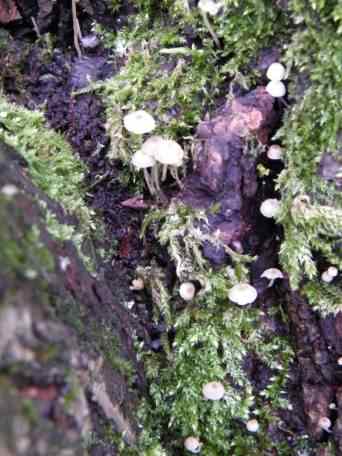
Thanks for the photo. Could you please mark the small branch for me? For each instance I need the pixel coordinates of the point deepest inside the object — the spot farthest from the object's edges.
(35, 27)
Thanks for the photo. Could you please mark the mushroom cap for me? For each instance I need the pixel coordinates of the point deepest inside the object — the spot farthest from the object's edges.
(243, 294)
(137, 284)
(324, 423)
(275, 152)
(272, 274)
(213, 391)
(90, 41)
(139, 122)
(192, 444)
(270, 207)
(152, 145)
(339, 361)
(187, 291)
(141, 160)
(9, 190)
(332, 271)
(252, 425)
(276, 72)
(168, 152)
(209, 6)
(276, 89)
(326, 277)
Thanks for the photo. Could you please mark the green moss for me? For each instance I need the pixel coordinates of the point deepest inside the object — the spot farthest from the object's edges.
(52, 164)
(56, 170)
(311, 213)
(24, 253)
(174, 82)
(30, 412)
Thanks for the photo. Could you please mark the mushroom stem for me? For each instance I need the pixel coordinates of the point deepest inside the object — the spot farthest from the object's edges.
(187, 6)
(164, 173)
(149, 182)
(174, 174)
(155, 177)
(210, 29)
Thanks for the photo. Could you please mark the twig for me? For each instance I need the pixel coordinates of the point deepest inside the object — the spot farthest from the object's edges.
(77, 28)
(35, 27)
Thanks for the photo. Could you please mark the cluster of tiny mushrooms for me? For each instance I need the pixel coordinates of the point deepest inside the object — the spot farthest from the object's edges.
(157, 152)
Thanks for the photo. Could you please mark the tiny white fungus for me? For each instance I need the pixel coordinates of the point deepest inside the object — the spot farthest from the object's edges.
(152, 145)
(326, 277)
(276, 89)
(272, 274)
(137, 284)
(339, 361)
(276, 72)
(209, 6)
(9, 190)
(193, 444)
(252, 425)
(31, 274)
(332, 271)
(275, 152)
(169, 152)
(139, 122)
(270, 207)
(243, 294)
(324, 423)
(64, 262)
(213, 391)
(142, 161)
(187, 291)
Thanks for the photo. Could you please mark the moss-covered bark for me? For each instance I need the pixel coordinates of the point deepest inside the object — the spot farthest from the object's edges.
(66, 358)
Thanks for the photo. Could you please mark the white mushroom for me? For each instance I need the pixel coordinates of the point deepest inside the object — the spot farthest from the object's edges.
(270, 207)
(143, 161)
(209, 6)
(252, 425)
(139, 122)
(329, 275)
(137, 284)
(193, 444)
(275, 152)
(168, 153)
(187, 291)
(243, 294)
(332, 271)
(9, 190)
(324, 423)
(152, 145)
(213, 391)
(339, 361)
(276, 89)
(276, 72)
(272, 274)
(326, 277)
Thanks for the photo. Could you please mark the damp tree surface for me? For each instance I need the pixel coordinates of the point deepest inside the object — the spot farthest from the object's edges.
(123, 330)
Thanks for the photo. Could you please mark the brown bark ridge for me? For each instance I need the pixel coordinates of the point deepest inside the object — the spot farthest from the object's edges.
(66, 349)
